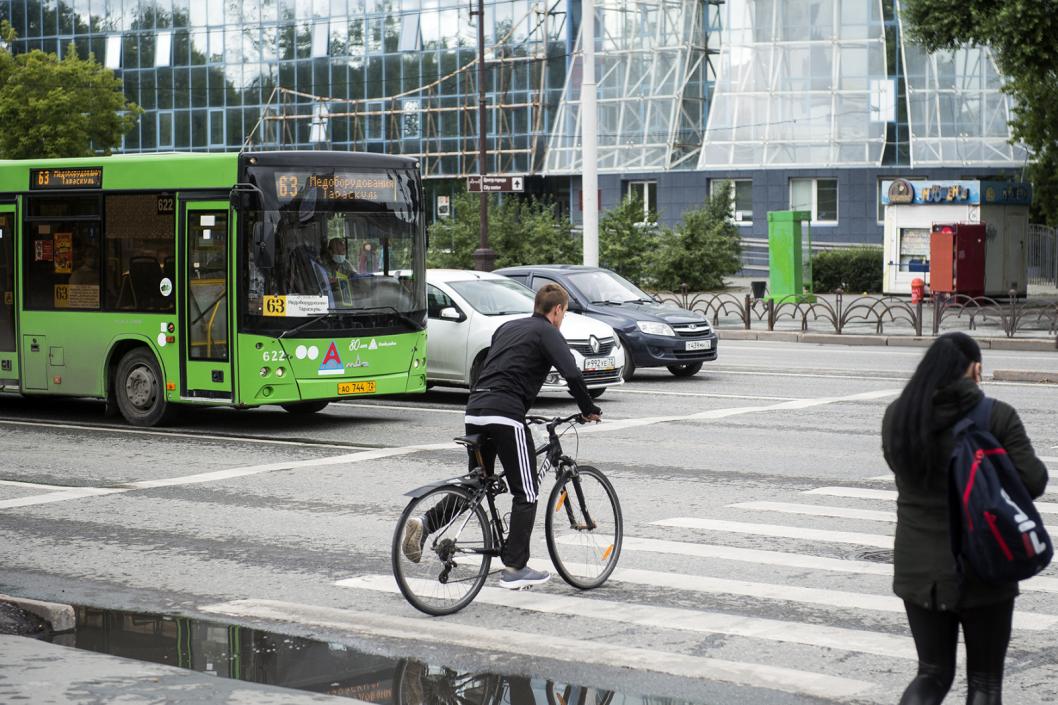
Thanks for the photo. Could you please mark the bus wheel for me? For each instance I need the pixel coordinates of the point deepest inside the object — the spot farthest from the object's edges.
(306, 407)
(139, 389)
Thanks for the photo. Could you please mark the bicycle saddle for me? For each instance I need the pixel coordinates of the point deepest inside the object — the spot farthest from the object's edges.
(472, 441)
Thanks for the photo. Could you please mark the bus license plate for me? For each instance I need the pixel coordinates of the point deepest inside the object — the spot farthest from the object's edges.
(594, 364)
(699, 345)
(367, 387)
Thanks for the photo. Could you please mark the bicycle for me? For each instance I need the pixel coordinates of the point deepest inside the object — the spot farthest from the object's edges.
(583, 528)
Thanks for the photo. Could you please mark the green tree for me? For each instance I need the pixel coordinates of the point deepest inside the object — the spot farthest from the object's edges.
(627, 240)
(1022, 35)
(521, 231)
(51, 107)
(704, 247)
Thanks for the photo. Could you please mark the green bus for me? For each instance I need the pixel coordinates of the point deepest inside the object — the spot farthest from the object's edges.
(159, 280)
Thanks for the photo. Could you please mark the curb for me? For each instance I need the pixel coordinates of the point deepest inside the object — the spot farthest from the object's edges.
(1025, 376)
(59, 617)
(1029, 344)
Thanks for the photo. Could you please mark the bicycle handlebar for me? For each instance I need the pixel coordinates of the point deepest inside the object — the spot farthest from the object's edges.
(556, 420)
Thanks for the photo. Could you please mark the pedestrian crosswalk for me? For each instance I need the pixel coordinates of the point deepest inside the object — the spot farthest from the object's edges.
(773, 586)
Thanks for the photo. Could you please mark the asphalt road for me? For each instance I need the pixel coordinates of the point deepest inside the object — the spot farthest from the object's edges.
(253, 517)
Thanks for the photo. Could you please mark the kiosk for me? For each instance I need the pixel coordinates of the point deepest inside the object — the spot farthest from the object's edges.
(912, 208)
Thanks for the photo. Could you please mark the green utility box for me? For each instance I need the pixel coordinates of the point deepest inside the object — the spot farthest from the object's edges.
(790, 256)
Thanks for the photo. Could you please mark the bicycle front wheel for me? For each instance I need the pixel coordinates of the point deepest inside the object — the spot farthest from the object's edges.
(584, 528)
(442, 549)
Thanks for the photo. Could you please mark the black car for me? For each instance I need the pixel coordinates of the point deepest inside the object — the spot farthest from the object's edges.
(654, 334)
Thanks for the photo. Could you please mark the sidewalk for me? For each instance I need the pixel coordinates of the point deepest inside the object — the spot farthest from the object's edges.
(33, 671)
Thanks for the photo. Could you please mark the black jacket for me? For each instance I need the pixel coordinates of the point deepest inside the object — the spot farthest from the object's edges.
(520, 356)
(923, 566)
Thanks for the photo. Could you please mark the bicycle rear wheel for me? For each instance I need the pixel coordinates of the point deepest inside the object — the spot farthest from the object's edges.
(584, 528)
(455, 551)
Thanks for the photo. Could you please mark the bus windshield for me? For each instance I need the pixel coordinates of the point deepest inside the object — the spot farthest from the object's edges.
(342, 248)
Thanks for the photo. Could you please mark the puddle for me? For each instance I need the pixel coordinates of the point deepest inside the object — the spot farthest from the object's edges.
(257, 656)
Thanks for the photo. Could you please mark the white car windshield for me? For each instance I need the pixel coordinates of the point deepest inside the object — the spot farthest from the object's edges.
(495, 297)
(607, 287)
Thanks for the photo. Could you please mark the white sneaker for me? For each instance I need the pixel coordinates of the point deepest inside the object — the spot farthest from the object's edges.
(524, 577)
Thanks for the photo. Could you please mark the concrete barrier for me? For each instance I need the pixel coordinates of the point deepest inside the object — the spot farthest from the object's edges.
(59, 617)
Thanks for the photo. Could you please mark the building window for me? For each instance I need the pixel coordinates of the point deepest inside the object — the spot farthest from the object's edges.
(320, 37)
(741, 198)
(647, 193)
(163, 50)
(817, 196)
(410, 39)
(165, 129)
(113, 58)
(410, 119)
(216, 128)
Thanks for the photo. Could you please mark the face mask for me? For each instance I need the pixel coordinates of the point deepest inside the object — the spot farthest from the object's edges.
(338, 259)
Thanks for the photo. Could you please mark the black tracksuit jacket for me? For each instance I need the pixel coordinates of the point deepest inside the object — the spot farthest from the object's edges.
(521, 354)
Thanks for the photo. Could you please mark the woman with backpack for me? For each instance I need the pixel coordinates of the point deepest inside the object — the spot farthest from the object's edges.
(917, 442)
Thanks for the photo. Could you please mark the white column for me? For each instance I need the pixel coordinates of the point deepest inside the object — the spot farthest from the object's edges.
(589, 140)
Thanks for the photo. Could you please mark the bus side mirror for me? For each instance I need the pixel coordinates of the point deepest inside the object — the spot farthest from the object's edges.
(245, 197)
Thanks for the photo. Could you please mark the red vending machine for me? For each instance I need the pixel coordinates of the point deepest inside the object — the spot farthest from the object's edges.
(957, 258)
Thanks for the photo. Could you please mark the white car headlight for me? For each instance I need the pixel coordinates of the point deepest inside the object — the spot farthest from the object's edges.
(652, 328)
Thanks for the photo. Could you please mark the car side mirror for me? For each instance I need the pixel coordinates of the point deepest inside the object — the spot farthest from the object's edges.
(452, 314)
(575, 306)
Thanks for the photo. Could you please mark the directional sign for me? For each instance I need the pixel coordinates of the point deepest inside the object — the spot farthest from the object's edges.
(495, 184)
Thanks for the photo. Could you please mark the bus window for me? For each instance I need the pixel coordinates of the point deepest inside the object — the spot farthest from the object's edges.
(62, 246)
(140, 251)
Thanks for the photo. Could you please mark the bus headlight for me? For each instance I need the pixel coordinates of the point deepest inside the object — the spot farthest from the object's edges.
(280, 371)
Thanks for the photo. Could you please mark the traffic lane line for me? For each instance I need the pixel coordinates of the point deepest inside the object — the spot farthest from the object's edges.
(778, 531)
(80, 492)
(839, 599)
(712, 414)
(677, 618)
(818, 510)
(595, 653)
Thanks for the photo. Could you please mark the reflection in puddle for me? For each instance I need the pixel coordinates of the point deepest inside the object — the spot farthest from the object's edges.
(257, 656)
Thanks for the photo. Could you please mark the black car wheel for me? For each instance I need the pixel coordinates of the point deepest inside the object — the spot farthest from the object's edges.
(630, 368)
(688, 370)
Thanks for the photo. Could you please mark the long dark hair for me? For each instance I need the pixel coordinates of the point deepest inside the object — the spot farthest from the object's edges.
(912, 439)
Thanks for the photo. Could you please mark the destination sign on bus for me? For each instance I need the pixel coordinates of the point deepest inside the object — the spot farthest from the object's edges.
(66, 178)
(337, 186)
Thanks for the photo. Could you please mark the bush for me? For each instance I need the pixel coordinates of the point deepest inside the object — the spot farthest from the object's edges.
(626, 241)
(853, 269)
(521, 231)
(703, 248)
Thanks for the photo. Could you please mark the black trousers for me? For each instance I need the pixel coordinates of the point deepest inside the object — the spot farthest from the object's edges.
(512, 442)
(986, 631)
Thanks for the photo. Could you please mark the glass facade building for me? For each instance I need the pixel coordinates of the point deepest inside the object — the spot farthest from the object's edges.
(803, 103)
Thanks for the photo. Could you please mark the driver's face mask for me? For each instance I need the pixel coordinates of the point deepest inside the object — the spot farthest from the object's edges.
(338, 259)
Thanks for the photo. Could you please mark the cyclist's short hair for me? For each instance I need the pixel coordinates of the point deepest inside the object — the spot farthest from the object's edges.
(550, 296)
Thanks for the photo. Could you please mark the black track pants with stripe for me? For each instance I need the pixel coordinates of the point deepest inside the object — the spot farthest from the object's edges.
(514, 445)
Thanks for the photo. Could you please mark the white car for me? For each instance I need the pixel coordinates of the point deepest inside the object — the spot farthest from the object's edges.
(466, 307)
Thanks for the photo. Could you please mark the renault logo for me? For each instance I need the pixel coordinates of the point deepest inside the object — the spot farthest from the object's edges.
(593, 343)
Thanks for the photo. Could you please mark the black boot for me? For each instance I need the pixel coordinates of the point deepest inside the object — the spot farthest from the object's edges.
(984, 689)
(929, 687)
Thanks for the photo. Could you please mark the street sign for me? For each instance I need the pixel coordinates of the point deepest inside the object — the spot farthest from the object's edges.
(496, 184)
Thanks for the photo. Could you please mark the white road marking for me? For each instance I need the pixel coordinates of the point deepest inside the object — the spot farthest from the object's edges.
(851, 375)
(404, 407)
(817, 510)
(176, 434)
(789, 532)
(79, 492)
(880, 478)
(596, 653)
(70, 493)
(890, 495)
(35, 485)
(749, 555)
(650, 615)
(787, 560)
(841, 599)
(624, 390)
(855, 492)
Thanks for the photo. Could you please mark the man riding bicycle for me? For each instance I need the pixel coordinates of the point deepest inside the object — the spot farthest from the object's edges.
(522, 353)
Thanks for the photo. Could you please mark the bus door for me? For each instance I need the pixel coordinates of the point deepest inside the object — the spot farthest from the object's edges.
(206, 350)
(8, 358)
